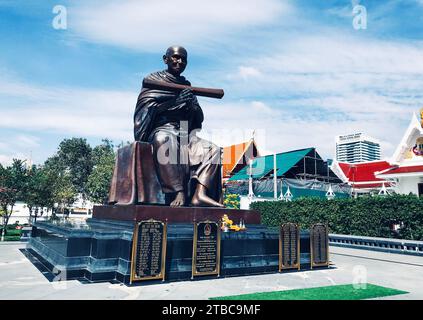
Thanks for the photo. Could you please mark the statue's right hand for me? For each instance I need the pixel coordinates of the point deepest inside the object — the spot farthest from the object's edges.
(185, 96)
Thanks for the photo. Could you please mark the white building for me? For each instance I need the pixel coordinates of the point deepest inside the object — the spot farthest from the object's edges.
(406, 172)
(81, 209)
(357, 147)
(20, 213)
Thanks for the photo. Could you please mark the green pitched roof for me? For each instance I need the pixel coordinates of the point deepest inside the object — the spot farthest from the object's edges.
(263, 165)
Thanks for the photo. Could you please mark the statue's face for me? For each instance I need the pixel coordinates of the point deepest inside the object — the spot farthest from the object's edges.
(176, 60)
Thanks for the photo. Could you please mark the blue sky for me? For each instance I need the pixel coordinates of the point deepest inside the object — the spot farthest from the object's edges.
(297, 72)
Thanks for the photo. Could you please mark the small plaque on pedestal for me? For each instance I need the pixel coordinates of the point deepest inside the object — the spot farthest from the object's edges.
(149, 250)
(206, 249)
(289, 247)
(319, 245)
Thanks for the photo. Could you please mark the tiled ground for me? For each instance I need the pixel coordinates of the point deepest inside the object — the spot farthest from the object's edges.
(20, 279)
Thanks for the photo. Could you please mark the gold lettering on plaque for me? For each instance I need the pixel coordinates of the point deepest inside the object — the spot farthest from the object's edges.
(206, 249)
(319, 245)
(149, 250)
(289, 246)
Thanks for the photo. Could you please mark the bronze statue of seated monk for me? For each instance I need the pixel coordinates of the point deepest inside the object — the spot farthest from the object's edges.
(188, 168)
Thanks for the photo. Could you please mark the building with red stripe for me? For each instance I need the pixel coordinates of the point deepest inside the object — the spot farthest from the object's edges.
(402, 174)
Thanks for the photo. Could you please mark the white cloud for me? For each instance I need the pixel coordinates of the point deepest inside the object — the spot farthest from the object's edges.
(27, 141)
(331, 53)
(96, 113)
(3, 145)
(7, 159)
(228, 124)
(342, 12)
(303, 89)
(152, 25)
(58, 112)
(17, 146)
(344, 78)
(85, 112)
(248, 72)
(262, 107)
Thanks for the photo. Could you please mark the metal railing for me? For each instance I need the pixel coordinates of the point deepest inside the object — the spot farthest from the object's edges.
(401, 246)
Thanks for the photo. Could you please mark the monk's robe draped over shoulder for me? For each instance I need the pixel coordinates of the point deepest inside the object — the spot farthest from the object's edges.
(157, 107)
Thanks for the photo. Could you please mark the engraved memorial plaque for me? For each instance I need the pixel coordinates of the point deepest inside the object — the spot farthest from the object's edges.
(319, 245)
(149, 250)
(206, 249)
(289, 247)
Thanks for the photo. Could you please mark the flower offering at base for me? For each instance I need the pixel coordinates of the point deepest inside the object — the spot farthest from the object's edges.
(228, 225)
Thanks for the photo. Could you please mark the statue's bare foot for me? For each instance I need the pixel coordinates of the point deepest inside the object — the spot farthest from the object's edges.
(179, 200)
(200, 199)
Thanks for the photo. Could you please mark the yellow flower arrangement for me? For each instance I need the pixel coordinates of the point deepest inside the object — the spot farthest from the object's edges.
(228, 224)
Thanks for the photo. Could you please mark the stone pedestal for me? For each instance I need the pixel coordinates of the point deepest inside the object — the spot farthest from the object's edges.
(173, 215)
(100, 248)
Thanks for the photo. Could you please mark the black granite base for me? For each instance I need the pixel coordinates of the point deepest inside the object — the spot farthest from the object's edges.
(100, 250)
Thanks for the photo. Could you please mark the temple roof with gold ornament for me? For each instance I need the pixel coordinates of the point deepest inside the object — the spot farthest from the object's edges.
(410, 149)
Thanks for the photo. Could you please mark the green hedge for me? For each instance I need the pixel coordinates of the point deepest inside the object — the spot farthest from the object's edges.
(365, 216)
(13, 232)
(12, 238)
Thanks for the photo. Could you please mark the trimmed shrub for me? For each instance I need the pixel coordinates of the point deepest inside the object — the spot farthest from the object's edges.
(364, 216)
(12, 238)
(13, 232)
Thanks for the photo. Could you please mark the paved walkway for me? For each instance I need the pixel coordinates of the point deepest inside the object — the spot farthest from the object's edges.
(19, 279)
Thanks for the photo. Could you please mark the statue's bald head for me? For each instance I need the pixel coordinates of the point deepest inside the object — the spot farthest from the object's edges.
(178, 50)
(176, 58)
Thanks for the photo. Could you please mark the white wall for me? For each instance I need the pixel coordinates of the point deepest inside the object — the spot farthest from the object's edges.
(406, 185)
(244, 201)
(21, 214)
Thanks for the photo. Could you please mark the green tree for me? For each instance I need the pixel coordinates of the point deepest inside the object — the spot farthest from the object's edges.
(18, 176)
(98, 183)
(12, 183)
(39, 191)
(75, 157)
(64, 193)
